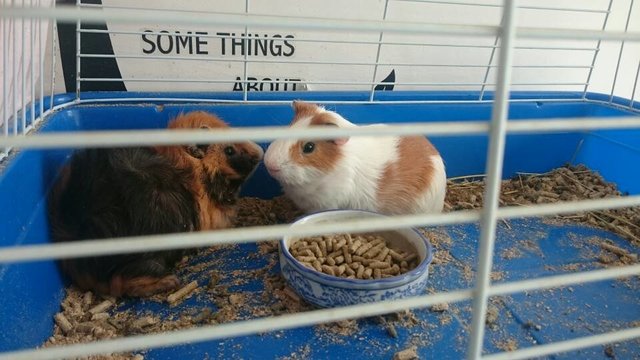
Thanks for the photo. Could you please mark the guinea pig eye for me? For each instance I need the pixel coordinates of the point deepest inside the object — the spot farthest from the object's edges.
(203, 148)
(308, 148)
(229, 151)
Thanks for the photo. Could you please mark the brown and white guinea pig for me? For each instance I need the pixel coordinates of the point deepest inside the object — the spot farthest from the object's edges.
(390, 175)
(104, 193)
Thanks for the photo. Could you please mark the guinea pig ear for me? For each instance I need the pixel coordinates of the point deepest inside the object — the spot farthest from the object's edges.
(301, 107)
(338, 141)
(195, 151)
(297, 105)
(198, 151)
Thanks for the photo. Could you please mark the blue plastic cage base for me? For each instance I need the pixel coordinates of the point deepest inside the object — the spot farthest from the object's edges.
(32, 291)
(529, 249)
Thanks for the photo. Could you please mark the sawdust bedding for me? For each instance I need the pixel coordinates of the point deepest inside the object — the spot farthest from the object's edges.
(86, 317)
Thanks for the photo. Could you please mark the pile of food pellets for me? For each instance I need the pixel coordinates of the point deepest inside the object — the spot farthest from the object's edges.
(568, 183)
(358, 256)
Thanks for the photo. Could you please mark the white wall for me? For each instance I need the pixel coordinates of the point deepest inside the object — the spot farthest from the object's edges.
(397, 11)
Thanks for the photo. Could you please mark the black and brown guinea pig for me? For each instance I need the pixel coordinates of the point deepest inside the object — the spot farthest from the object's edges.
(105, 193)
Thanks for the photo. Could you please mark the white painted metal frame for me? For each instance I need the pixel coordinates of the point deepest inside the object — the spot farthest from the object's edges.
(134, 16)
(23, 93)
(495, 157)
(5, 83)
(498, 128)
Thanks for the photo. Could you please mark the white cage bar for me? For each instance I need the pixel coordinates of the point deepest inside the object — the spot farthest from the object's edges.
(495, 157)
(505, 36)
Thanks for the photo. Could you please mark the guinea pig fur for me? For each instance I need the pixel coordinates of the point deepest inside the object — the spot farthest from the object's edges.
(104, 193)
(389, 174)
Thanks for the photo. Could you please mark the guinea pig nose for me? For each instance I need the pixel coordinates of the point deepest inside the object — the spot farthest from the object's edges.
(273, 169)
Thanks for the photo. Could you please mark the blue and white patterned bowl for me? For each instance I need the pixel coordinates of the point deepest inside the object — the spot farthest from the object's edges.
(329, 291)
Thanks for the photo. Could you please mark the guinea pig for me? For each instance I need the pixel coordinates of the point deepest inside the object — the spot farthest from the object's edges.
(104, 193)
(389, 174)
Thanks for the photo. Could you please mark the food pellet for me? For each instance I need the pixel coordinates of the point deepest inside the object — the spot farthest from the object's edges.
(316, 264)
(379, 265)
(307, 252)
(374, 251)
(62, 321)
(353, 256)
(316, 250)
(363, 260)
(346, 254)
(383, 254)
(394, 270)
(407, 354)
(144, 322)
(335, 253)
(306, 258)
(102, 307)
(377, 274)
(328, 270)
(410, 257)
(341, 269)
(100, 316)
(349, 271)
(183, 292)
(349, 240)
(391, 330)
(87, 299)
(395, 255)
(296, 245)
(323, 248)
(86, 327)
(355, 246)
(362, 249)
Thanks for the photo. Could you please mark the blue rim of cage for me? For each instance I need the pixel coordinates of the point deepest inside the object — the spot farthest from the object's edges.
(402, 95)
(362, 97)
(397, 280)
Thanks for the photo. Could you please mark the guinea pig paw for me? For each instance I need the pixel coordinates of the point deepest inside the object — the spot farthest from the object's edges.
(169, 282)
(148, 285)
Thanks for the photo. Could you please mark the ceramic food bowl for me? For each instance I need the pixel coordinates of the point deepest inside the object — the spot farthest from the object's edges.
(329, 291)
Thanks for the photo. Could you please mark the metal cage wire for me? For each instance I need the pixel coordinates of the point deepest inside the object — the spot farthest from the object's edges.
(21, 112)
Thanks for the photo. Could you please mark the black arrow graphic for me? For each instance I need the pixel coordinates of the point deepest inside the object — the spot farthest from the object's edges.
(391, 78)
